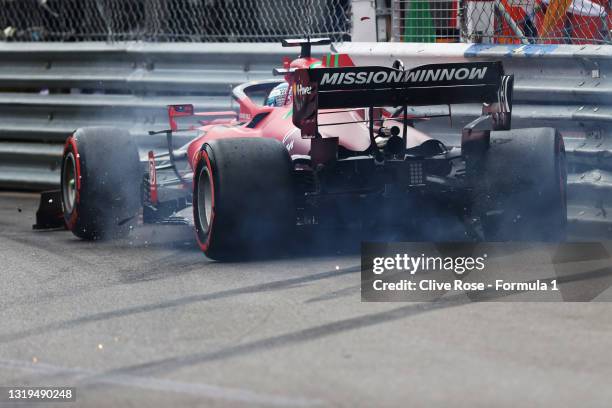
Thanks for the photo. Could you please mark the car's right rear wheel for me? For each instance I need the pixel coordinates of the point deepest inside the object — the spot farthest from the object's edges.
(520, 186)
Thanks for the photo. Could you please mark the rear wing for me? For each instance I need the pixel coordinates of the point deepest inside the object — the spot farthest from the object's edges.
(434, 84)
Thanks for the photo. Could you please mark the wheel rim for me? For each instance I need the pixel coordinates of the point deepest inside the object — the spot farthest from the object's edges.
(69, 182)
(204, 199)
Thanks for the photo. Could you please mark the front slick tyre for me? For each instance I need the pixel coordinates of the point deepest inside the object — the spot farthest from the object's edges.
(243, 199)
(100, 183)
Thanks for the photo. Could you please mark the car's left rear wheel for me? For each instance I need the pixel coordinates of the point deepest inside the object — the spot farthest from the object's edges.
(243, 199)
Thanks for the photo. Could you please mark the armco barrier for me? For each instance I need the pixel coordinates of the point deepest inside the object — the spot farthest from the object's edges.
(48, 90)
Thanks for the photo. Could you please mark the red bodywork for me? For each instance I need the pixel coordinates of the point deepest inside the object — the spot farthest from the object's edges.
(278, 123)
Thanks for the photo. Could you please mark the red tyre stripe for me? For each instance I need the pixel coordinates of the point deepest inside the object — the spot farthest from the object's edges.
(202, 155)
(71, 143)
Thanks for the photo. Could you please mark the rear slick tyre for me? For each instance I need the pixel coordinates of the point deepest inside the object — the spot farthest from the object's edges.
(520, 186)
(243, 198)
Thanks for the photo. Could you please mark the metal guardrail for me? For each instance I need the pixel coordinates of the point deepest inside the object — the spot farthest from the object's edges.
(49, 90)
(568, 87)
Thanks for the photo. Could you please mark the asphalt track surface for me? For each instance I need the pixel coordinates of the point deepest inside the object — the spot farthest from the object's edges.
(150, 322)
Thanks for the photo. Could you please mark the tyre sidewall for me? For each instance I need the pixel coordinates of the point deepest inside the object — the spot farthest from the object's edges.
(108, 183)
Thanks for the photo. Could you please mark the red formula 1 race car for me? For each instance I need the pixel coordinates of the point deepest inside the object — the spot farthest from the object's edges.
(328, 146)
